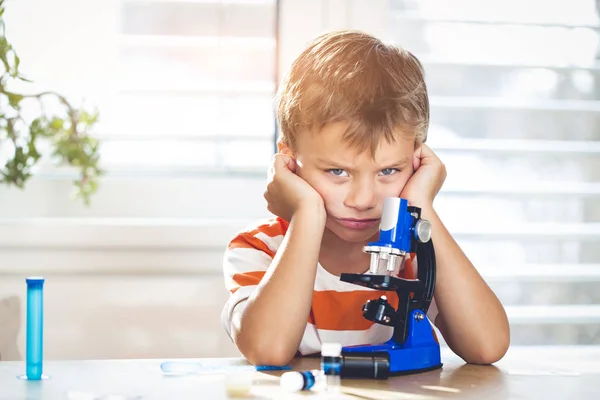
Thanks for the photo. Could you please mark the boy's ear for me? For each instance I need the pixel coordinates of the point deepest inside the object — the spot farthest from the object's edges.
(283, 148)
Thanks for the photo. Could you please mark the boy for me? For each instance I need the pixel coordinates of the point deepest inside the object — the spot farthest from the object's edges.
(353, 114)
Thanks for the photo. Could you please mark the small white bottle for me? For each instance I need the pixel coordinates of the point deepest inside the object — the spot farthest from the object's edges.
(295, 381)
(331, 366)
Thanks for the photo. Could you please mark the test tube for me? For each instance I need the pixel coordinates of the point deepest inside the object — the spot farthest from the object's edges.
(35, 328)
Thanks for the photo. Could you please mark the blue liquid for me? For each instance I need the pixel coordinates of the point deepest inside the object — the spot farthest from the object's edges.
(35, 328)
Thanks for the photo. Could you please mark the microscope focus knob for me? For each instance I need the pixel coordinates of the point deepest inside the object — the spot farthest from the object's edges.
(423, 230)
(379, 311)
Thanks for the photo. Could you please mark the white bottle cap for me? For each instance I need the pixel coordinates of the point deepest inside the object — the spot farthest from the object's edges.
(331, 350)
(291, 381)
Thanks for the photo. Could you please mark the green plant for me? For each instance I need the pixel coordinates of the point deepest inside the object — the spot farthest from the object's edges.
(65, 132)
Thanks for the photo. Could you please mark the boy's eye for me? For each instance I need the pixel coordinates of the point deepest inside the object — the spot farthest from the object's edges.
(337, 172)
(389, 171)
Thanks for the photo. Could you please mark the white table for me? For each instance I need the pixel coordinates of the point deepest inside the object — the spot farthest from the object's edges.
(525, 373)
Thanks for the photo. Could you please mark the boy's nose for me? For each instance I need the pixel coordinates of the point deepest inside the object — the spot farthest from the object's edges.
(362, 198)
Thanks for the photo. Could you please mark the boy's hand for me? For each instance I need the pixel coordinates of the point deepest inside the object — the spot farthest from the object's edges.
(286, 192)
(427, 180)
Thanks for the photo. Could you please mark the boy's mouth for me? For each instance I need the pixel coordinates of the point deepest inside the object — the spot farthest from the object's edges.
(357, 224)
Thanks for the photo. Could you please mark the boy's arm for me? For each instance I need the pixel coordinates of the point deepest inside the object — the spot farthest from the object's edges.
(273, 318)
(471, 318)
(275, 315)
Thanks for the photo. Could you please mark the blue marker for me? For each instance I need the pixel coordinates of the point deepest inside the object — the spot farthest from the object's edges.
(272, 368)
(35, 329)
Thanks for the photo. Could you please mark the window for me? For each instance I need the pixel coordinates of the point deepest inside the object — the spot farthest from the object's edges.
(184, 90)
(515, 113)
(195, 87)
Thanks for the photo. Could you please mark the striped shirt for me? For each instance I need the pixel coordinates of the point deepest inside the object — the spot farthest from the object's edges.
(336, 311)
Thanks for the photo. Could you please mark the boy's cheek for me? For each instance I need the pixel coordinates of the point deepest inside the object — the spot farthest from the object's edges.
(331, 197)
(326, 194)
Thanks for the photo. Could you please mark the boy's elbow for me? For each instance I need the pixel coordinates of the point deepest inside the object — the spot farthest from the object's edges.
(260, 352)
(489, 352)
(269, 355)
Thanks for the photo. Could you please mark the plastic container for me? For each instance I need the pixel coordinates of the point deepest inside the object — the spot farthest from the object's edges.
(331, 365)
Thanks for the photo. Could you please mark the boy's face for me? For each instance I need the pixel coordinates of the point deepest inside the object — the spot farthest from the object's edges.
(353, 183)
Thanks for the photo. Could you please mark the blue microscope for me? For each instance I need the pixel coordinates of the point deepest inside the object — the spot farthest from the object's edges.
(413, 346)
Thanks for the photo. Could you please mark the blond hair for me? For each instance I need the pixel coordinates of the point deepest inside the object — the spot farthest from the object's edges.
(378, 88)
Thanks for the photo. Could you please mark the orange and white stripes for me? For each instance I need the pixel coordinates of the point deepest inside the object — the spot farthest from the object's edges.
(335, 313)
